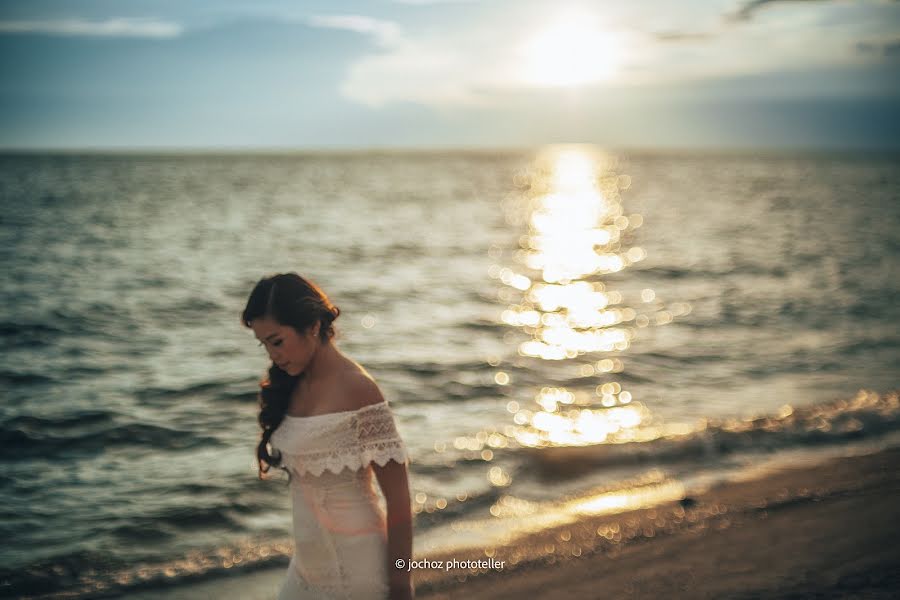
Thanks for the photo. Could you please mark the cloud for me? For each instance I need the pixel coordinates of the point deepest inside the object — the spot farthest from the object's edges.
(386, 33)
(115, 27)
(474, 66)
(426, 2)
(683, 36)
(889, 48)
(422, 72)
(488, 64)
(430, 70)
(744, 13)
(747, 11)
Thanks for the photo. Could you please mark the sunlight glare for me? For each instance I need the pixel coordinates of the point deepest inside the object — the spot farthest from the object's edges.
(570, 52)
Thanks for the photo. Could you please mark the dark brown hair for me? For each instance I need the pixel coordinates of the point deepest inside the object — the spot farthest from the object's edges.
(299, 303)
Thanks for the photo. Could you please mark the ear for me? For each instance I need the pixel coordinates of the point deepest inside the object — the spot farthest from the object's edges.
(314, 330)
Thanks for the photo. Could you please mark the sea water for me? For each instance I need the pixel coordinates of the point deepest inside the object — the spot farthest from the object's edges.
(545, 322)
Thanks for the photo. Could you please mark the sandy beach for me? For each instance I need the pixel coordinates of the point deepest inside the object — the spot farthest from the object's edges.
(823, 530)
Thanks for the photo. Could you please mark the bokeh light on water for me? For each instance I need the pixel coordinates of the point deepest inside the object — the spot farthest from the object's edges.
(576, 231)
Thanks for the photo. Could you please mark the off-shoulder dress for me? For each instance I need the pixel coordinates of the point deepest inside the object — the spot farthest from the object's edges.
(339, 524)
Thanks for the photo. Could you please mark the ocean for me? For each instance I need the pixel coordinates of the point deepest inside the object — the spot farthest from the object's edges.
(557, 329)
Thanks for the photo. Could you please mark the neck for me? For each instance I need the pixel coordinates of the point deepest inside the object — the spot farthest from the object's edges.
(322, 362)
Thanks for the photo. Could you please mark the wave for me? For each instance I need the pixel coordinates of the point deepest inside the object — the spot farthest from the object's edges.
(432, 369)
(86, 417)
(428, 515)
(182, 311)
(243, 390)
(90, 574)
(24, 436)
(20, 378)
(790, 263)
(163, 394)
(676, 272)
(97, 319)
(86, 574)
(29, 335)
(483, 325)
(868, 414)
(173, 520)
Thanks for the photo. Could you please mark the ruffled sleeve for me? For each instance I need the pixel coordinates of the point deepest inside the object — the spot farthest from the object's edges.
(335, 441)
(377, 437)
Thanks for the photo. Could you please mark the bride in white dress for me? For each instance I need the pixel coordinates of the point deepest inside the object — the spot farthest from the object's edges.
(326, 423)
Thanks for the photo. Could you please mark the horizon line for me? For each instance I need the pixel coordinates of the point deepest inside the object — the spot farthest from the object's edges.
(437, 148)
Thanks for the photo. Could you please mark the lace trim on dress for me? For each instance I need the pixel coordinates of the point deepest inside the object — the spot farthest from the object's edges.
(350, 439)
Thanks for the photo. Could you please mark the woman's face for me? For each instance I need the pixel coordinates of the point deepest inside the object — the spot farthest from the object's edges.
(290, 350)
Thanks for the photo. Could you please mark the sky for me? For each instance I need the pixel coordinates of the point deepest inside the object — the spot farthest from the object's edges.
(279, 74)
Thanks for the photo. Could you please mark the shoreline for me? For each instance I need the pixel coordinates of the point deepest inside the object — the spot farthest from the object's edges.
(827, 529)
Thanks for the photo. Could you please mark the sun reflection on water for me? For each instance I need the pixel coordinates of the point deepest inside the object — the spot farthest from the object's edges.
(577, 233)
(560, 294)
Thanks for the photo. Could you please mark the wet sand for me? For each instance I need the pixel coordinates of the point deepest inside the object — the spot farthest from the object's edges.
(830, 530)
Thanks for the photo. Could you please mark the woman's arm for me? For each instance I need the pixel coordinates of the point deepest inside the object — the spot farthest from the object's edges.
(394, 482)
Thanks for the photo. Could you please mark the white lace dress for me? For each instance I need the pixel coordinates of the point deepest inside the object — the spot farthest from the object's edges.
(340, 534)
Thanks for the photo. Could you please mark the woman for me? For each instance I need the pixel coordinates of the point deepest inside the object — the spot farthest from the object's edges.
(329, 427)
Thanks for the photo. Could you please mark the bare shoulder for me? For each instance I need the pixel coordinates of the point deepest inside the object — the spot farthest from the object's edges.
(362, 390)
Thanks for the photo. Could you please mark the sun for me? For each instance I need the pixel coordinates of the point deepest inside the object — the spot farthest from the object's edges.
(569, 51)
